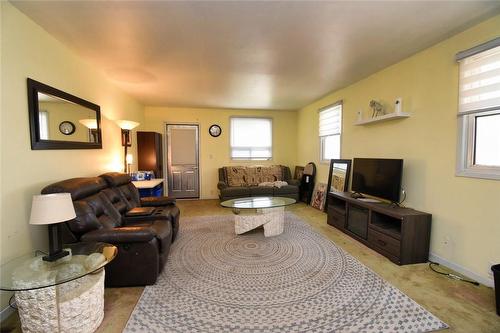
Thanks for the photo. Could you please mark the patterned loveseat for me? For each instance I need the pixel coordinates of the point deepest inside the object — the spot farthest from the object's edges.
(243, 181)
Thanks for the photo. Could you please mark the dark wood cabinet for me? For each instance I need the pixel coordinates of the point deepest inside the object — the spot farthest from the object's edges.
(150, 152)
(400, 234)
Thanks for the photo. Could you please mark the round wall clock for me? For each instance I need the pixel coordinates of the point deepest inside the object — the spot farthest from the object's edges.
(67, 127)
(215, 130)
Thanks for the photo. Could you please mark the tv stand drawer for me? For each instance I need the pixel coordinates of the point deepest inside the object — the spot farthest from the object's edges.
(335, 218)
(384, 242)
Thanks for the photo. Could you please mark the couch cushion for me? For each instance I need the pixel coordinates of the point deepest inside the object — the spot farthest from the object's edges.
(115, 179)
(162, 229)
(77, 187)
(116, 199)
(236, 192)
(130, 195)
(261, 191)
(85, 220)
(235, 175)
(271, 173)
(260, 174)
(105, 212)
(287, 189)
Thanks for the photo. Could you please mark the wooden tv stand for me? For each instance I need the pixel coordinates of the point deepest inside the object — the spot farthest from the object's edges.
(400, 234)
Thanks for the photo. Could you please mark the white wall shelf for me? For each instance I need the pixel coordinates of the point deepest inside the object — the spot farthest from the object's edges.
(385, 117)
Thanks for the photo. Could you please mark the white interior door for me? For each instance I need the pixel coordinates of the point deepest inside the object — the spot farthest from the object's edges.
(183, 161)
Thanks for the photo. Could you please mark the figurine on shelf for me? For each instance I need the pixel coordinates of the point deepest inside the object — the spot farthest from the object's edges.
(377, 108)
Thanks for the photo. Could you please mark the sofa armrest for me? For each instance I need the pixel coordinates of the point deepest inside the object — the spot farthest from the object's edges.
(157, 201)
(294, 182)
(138, 234)
(221, 185)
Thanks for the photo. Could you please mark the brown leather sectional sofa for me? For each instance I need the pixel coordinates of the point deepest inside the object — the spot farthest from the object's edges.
(102, 205)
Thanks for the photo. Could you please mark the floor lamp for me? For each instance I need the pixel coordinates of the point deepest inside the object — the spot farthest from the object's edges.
(91, 124)
(126, 126)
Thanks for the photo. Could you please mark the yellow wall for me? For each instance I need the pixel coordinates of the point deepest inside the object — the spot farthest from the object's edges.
(214, 152)
(464, 209)
(28, 51)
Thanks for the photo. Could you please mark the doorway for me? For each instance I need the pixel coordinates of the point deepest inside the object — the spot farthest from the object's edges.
(183, 176)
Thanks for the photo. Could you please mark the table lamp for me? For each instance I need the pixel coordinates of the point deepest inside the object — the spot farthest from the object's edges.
(52, 209)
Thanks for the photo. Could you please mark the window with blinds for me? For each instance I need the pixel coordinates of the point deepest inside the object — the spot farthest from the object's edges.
(251, 138)
(479, 111)
(330, 131)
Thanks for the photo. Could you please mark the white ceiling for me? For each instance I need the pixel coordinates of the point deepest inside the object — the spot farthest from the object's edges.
(258, 55)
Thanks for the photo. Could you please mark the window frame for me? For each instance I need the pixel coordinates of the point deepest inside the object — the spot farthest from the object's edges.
(466, 134)
(466, 148)
(322, 138)
(231, 134)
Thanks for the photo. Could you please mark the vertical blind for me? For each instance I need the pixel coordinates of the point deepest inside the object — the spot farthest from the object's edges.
(479, 87)
(251, 138)
(330, 120)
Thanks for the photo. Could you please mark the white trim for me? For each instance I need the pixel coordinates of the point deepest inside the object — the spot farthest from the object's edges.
(322, 146)
(5, 313)
(465, 151)
(165, 156)
(462, 270)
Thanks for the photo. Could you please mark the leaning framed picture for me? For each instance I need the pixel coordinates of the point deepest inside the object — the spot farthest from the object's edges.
(338, 176)
(319, 196)
(299, 171)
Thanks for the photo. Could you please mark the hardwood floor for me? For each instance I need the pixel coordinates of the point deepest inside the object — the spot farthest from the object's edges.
(466, 308)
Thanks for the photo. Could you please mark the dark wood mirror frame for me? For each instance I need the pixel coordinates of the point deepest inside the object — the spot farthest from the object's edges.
(34, 87)
(347, 163)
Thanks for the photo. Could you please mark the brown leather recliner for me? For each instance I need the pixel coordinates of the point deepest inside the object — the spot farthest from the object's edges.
(143, 244)
(123, 191)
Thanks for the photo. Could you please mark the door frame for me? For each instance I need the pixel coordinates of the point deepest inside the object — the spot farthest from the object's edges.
(166, 156)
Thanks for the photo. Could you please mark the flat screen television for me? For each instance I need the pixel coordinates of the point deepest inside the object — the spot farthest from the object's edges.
(378, 177)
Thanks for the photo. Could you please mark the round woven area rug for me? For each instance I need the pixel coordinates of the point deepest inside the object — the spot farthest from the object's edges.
(299, 281)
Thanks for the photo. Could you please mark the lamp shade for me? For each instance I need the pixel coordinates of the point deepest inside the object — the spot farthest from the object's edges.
(52, 208)
(89, 123)
(127, 124)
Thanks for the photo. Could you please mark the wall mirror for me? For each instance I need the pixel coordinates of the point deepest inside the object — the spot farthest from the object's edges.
(338, 177)
(59, 120)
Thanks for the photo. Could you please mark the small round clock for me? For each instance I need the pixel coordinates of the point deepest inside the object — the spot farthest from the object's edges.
(67, 127)
(215, 130)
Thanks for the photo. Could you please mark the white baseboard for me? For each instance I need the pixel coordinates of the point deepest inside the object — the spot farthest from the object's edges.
(464, 271)
(5, 313)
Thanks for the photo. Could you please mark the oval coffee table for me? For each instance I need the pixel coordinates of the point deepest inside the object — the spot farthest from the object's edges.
(253, 212)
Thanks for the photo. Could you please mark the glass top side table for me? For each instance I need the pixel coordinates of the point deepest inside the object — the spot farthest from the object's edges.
(62, 296)
(30, 272)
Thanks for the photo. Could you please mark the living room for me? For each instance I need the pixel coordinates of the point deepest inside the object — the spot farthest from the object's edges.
(214, 69)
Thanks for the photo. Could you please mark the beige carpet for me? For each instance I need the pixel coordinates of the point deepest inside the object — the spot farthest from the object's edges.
(216, 281)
